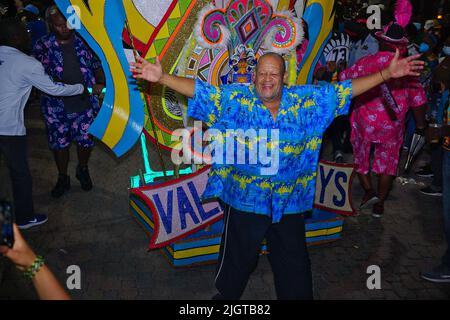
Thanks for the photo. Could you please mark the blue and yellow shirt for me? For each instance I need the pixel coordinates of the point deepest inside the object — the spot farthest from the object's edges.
(304, 114)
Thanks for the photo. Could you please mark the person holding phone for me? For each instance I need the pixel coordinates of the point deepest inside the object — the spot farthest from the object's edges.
(44, 281)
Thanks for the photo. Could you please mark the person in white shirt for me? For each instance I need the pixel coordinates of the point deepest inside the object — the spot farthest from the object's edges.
(18, 74)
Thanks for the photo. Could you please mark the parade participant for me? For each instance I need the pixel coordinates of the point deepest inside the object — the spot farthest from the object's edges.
(18, 74)
(378, 118)
(364, 43)
(269, 206)
(67, 58)
(35, 26)
(441, 273)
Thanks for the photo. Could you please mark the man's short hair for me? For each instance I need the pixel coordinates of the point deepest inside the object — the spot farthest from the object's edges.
(52, 10)
(276, 55)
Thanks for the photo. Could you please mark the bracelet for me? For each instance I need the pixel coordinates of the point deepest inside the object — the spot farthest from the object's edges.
(34, 268)
(381, 73)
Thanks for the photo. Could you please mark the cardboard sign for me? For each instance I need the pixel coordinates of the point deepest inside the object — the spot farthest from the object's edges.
(177, 209)
(333, 188)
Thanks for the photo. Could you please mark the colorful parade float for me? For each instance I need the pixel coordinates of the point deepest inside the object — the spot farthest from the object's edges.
(218, 42)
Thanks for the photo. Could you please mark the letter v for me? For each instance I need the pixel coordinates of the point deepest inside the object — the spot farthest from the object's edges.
(166, 217)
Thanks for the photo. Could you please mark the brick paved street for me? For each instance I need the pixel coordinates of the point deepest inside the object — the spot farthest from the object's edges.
(95, 231)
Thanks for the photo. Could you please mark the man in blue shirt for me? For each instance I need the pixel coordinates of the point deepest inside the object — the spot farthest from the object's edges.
(262, 203)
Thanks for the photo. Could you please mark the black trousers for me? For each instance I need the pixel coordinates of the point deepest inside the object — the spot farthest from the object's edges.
(336, 131)
(240, 248)
(14, 149)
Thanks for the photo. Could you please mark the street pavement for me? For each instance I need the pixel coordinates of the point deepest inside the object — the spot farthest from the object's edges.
(95, 231)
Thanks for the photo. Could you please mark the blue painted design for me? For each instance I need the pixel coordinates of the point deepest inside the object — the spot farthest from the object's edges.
(340, 176)
(114, 22)
(185, 207)
(166, 216)
(204, 215)
(313, 16)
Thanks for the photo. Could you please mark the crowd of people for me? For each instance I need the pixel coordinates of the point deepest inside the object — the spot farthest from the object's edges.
(382, 122)
(48, 55)
(402, 69)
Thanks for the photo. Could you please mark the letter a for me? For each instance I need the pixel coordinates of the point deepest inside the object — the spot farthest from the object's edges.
(374, 281)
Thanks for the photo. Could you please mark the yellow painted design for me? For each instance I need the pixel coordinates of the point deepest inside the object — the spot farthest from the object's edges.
(142, 214)
(176, 13)
(121, 106)
(327, 26)
(189, 253)
(140, 28)
(284, 5)
(323, 232)
(164, 31)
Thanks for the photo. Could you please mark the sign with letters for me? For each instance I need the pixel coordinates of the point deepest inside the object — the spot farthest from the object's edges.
(177, 210)
(333, 188)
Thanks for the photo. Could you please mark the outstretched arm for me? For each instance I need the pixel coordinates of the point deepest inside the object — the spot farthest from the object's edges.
(152, 72)
(398, 68)
(46, 284)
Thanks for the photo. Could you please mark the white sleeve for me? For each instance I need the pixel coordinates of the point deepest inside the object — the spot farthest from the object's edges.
(41, 80)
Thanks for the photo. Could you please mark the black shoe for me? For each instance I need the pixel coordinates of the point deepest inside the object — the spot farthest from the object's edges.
(440, 274)
(429, 191)
(338, 157)
(84, 178)
(62, 185)
(36, 221)
(369, 199)
(425, 172)
(378, 210)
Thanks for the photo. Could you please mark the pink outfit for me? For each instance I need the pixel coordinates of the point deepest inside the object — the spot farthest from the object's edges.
(371, 123)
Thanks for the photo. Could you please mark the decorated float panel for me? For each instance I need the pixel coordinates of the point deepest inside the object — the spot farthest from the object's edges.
(217, 42)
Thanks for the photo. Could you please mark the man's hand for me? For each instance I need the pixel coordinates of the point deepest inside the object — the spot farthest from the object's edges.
(152, 72)
(142, 69)
(398, 68)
